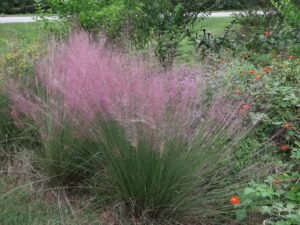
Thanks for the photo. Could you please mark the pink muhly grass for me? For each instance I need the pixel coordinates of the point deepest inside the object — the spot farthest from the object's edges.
(85, 82)
(91, 81)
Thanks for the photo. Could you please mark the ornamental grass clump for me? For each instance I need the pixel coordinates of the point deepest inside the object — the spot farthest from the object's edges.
(62, 153)
(163, 148)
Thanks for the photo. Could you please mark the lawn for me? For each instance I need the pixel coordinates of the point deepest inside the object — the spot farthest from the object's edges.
(17, 35)
(19, 206)
(20, 34)
(214, 25)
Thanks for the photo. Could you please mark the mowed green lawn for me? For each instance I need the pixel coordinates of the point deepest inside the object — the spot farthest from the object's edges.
(16, 35)
(216, 26)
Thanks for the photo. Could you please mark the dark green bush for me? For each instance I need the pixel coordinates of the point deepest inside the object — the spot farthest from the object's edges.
(17, 6)
(21, 6)
(243, 4)
(247, 4)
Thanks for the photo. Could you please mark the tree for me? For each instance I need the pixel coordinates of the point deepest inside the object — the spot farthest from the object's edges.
(17, 6)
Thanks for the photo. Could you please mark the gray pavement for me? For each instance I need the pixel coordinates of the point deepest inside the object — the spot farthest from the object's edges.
(29, 19)
(23, 19)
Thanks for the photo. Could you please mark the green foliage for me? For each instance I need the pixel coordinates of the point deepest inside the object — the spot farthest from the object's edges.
(277, 198)
(186, 49)
(261, 34)
(176, 179)
(17, 36)
(57, 29)
(17, 6)
(274, 38)
(18, 63)
(244, 4)
(162, 22)
(277, 98)
(277, 102)
(93, 15)
(271, 33)
(64, 158)
(159, 183)
(289, 11)
(208, 43)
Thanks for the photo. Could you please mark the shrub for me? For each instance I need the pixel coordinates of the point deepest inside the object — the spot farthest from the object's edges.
(276, 115)
(18, 62)
(245, 5)
(277, 198)
(21, 6)
(275, 32)
(289, 11)
(17, 6)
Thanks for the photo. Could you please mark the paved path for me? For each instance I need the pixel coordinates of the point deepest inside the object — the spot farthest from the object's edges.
(29, 19)
(22, 19)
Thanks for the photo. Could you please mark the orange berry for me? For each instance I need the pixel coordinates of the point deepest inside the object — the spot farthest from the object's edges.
(266, 33)
(257, 77)
(234, 200)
